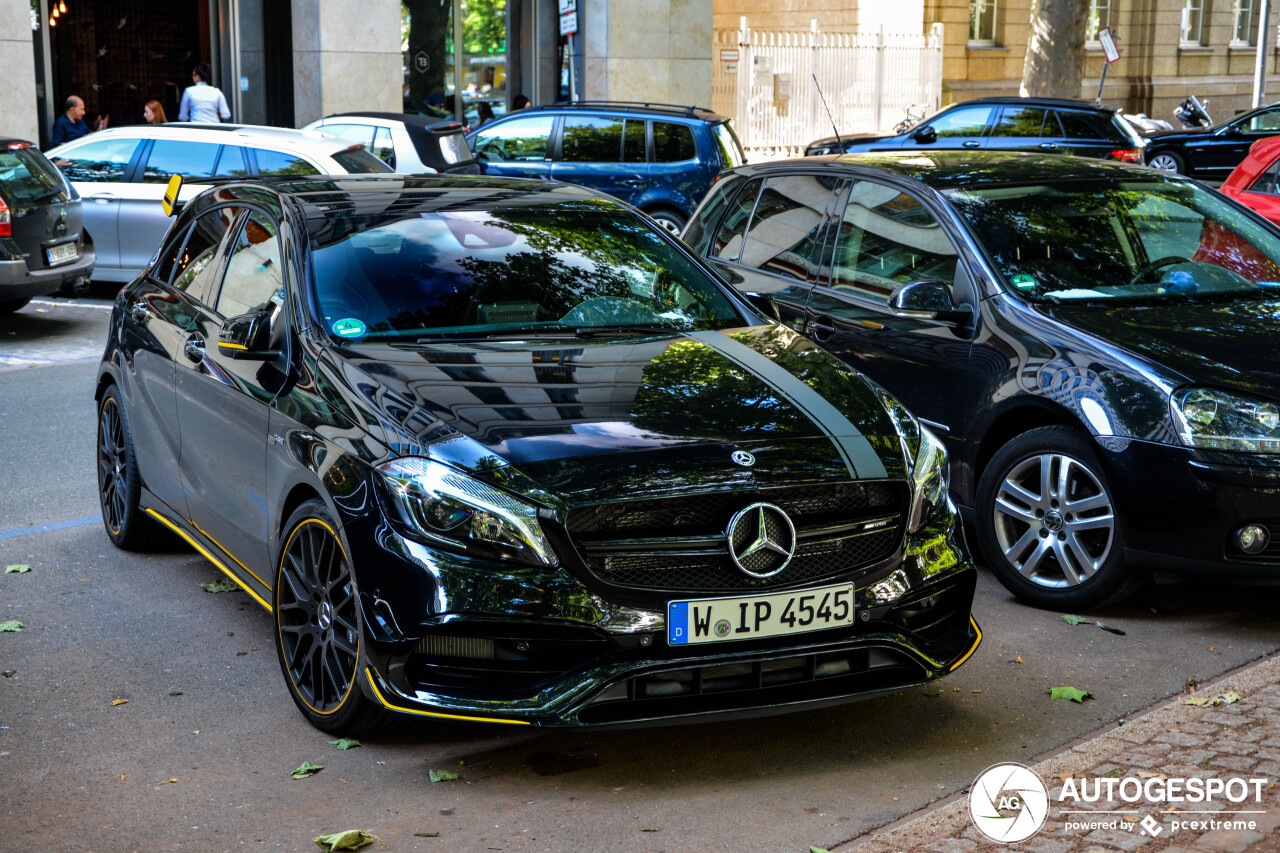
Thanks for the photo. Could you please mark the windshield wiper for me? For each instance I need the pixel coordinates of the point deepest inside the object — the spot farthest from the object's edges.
(496, 334)
(600, 331)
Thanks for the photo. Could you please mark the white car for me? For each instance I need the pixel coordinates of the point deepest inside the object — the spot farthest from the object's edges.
(410, 144)
(122, 173)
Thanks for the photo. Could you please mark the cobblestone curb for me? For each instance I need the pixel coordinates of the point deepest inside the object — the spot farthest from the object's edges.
(1173, 739)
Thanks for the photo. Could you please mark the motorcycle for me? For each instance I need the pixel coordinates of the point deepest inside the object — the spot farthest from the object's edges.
(1144, 124)
(1192, 113)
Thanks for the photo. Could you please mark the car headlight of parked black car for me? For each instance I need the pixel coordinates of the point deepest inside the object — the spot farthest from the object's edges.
(1220, 420)
(930, 471)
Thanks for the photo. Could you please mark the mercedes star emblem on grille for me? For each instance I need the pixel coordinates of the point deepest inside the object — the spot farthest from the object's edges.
(743, 458)
(762, 540)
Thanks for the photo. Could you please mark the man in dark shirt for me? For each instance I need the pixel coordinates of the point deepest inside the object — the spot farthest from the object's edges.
(71, 125)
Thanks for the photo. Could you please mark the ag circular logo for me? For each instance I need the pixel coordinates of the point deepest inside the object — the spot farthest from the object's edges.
(762, 540)
(1008, 803)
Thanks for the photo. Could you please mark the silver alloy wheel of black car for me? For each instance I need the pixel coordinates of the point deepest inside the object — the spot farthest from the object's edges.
(1048, 523)
(318, 623)
(1166, 162)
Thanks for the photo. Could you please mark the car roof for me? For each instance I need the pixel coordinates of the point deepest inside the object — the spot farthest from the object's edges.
(676, 110)
(1042, 102)
(310, 142)
(316, 196)
(407, 119)
(944, 170)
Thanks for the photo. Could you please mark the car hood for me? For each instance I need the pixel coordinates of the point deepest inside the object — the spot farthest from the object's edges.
(1175, 135)
(1222, 344)
(628, 416)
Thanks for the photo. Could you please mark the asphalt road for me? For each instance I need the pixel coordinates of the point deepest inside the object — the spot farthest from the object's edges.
(207, 708)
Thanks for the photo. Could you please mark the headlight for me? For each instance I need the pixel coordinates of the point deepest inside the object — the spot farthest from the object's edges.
(458, 512)
(930, 474)
(1223, 421)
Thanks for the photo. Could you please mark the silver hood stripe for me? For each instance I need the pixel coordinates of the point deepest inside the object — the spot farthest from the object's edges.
(859, 456)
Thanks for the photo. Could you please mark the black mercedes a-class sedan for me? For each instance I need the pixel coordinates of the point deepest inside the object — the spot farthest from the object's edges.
(501, 450)
(1093, 343)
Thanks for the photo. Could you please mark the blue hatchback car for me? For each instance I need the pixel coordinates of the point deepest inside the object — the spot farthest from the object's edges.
(660, 158)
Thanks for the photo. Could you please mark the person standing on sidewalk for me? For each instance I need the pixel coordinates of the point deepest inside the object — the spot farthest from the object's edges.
(71, 124)
(202, 101)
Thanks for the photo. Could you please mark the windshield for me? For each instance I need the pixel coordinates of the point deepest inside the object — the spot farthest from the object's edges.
(561, 269)
(1121, 240)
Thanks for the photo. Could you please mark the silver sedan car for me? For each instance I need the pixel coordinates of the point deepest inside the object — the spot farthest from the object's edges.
(122, 173)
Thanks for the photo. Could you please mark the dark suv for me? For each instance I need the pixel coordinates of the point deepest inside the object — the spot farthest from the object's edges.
(42, 245)
(657, 157)
(1052, 125)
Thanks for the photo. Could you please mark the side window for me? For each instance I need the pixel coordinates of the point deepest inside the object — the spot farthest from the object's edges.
(254, 280)
(1022, 121)
(383, 148)
(1077, 124)
(171, 157)
(519, 140)
(279, 163)
(1267, 181)
(231, 163)
(728, 242)
(100, 161)
(673, 143)
(707, 216)
(1166, 227)
(1267, 123)
(888, 238)
(195, 264)
(591, 139)
(633, 141)
(788, 227)
(965, 121)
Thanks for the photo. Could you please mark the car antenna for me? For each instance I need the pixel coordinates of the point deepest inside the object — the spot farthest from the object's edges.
(828, 109)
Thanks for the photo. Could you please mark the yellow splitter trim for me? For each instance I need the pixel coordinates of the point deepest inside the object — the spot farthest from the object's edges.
(976, 643)
(373, 684)
(212, 559)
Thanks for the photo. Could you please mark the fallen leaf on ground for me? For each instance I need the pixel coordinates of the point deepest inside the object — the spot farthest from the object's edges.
(1212, 649)
(813, 849)
(1229, 698)
(115, 702)
(175, 692)
(650, 829)
(1146, 774)
(351, 839)
(1074, 620)
(345, 743)
(1071, 693)
(305, 770)
(933, 695)
(9, 673)
(17, 569)
(442, 775)
(426, 835)
(975, 691)
(121, 777)
(1017, 659)
(12, 625)
(220, 585)
(169, 781)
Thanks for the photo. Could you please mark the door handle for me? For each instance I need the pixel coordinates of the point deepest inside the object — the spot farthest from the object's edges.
(972, 144)
(194, 348)
(138, 312)
(635, 182)
(1049, 146)
(103, 198)
(820, 331)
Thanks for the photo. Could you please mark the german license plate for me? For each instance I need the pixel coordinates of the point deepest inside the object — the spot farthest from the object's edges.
(62, 254)
(715, 620)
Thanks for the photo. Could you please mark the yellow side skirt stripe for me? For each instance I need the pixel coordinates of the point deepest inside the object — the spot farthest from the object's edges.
(976, 643)
(229, 554)
(373, 684)
(212, 559)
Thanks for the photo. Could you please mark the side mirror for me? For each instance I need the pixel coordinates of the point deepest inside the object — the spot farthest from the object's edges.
(247, 337)
(925, 135)
(1234, 130)
(928, 299)
(763, 303)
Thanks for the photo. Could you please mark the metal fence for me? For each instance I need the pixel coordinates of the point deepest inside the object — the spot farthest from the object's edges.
(765, 82)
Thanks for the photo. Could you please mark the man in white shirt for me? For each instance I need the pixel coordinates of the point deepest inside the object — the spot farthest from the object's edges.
(203, 102)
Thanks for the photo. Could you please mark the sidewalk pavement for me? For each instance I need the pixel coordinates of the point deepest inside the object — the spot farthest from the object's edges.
(1172, 739)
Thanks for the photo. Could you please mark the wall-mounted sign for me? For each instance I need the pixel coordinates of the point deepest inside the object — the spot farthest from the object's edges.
(729, 54)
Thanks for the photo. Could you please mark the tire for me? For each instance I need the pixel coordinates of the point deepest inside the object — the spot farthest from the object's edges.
(318, 627)
(11, 305)
(1052, 546)
(1167, 161)
(670, 220)
(119, 486)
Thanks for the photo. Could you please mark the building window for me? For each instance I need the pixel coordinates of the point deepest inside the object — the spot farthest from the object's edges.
(982, 22)
(1193, 23)
(1242, 31)
(1099, 19)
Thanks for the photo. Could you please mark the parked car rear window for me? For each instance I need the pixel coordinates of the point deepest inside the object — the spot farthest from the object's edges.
(171, 157)
(633, 144)
(518, 140)
(673, 143)
(354, 161)
(1077, 124)
(1022, 121)
(26, 176)
(591, 139)
(98, 161)
(279, 163)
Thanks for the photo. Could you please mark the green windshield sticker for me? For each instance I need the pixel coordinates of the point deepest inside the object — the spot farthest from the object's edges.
(349, 327)
(1023, 282)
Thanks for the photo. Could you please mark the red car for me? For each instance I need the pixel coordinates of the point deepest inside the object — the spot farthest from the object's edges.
(1254, 182)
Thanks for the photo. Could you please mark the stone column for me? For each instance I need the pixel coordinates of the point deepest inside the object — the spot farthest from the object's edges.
(18, 71)
(346, 57)
(647, 50)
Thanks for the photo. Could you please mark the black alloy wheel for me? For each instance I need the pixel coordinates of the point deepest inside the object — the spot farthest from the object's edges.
(119, 485)
(1048, 524)
(318, 625)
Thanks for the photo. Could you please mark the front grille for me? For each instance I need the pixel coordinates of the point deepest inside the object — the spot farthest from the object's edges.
(679, 543)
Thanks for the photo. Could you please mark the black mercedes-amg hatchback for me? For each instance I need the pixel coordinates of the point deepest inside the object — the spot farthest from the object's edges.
(502, 451)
